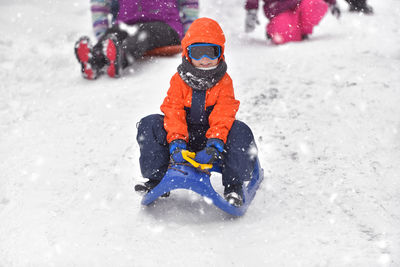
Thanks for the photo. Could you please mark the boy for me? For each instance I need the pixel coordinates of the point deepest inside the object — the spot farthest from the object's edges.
(199, 115)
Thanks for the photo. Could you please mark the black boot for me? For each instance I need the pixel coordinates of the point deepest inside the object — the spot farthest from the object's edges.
(84, 53)
(148, 186)
(360, 6)
(112, 49)
(234, 194)
(368, 10)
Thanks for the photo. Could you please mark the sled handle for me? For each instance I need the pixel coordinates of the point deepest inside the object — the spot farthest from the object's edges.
(189, 157)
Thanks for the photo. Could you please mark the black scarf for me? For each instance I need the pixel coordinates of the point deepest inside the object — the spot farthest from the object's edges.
(199, 79)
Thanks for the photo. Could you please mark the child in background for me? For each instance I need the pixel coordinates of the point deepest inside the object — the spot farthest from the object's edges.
(136, 27)
(199, 115)
(360, 6)
(289, 20)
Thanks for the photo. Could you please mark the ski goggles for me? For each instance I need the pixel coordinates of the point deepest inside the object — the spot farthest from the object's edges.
(198, 51)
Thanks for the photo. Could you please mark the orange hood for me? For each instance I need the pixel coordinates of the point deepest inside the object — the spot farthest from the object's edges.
(203, 30)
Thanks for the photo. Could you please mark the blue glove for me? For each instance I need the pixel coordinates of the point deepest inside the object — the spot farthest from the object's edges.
(211, 152)
(175, 148)
(217, 143)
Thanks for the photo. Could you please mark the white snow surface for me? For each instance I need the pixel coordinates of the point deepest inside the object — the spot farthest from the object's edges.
(325, 113)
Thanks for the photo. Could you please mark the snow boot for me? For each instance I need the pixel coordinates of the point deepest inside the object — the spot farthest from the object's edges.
(112, 50)
(368, 10)
(148, 186)
(360, 6)
(83, 52)
(234, 194)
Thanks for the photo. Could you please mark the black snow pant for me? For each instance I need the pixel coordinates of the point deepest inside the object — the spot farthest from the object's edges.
(149, 35)
(238, 159)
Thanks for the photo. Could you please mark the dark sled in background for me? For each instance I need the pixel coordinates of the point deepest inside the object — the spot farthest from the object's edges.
(194, 177)
(164, 51)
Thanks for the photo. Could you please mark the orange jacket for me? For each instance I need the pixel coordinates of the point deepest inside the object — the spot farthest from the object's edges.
(221, 95)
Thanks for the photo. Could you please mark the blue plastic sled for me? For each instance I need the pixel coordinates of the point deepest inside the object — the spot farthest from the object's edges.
(188, 177)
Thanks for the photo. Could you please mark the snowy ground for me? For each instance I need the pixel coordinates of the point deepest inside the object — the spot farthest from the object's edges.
(325, 113)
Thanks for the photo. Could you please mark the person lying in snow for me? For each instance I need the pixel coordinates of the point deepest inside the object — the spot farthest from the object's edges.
(199, 115)
(136, 27)
(289, 20)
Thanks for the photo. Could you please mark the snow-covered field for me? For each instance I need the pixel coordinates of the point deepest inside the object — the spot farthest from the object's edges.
(325, 113)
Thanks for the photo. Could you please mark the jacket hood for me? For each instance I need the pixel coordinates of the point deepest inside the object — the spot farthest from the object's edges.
(203, 30)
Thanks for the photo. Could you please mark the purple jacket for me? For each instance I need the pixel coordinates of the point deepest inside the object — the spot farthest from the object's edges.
(134, 11)
(273, 8)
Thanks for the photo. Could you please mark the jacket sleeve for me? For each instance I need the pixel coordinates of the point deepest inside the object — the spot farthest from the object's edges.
(189, 10)
(251, 4)
(224, 112)
(174, 112)
(100, 10)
